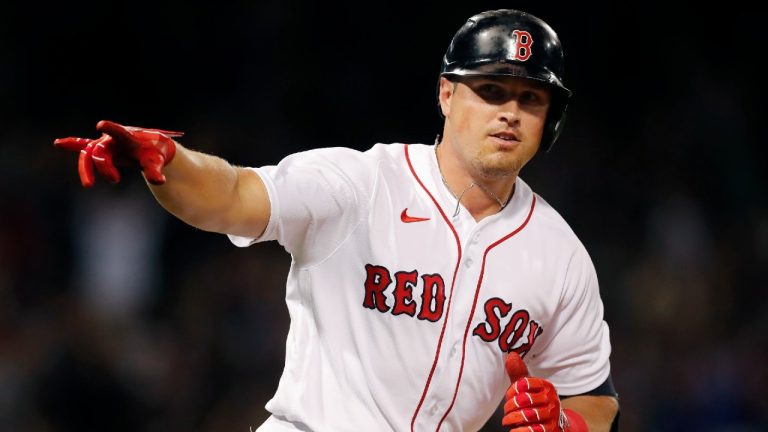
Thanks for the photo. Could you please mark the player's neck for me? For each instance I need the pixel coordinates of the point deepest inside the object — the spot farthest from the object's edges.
(482, 197)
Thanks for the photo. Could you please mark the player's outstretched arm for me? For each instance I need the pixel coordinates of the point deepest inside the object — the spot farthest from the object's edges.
(204, 191)
(209, 193)
(532, 404)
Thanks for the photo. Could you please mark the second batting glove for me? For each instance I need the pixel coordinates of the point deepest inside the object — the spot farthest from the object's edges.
(532, 404)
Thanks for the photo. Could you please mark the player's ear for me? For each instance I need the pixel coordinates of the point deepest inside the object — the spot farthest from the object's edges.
(445, 93)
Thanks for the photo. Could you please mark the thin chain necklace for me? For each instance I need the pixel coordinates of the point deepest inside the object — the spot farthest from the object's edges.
(502, 204)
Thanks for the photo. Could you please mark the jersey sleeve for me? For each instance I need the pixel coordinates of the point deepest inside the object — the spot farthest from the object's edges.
(316, 201)
(575, 355)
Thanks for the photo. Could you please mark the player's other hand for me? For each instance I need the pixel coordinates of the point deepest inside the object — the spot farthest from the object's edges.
(118, 145)
(532, 404)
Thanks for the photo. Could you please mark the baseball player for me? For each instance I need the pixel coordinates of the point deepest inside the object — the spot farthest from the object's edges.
(428, 282)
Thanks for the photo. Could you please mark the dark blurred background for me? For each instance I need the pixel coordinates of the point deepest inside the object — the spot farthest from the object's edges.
(116, 316)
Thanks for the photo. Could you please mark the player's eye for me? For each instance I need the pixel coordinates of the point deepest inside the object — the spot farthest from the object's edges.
(491, 92)
(531, 98)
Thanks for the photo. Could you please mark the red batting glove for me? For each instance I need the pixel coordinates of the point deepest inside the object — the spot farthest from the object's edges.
(151, 149)
(532, 404)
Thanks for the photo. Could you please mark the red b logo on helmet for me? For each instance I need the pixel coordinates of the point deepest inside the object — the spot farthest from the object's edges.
(523, 43)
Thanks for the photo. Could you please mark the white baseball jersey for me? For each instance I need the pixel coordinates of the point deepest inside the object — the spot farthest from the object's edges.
(401, 314)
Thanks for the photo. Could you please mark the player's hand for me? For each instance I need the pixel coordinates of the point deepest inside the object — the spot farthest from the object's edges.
(532, 404)
(118, 145)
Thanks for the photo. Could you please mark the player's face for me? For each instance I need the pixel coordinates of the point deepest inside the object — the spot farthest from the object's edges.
(494, 124)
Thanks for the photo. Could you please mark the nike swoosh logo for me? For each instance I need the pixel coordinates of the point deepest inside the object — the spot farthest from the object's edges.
(408, 219)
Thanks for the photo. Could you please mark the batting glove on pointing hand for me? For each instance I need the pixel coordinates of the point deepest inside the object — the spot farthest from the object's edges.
(151, 149)
(532, 404)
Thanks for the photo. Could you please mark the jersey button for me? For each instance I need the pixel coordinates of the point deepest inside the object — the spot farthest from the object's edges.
(433, 409)
(454, 350)
(468, 262)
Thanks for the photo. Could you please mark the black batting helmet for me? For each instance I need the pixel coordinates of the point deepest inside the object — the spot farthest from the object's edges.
(512, 43)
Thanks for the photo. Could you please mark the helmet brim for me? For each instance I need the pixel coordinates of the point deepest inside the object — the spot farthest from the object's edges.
(508, 69)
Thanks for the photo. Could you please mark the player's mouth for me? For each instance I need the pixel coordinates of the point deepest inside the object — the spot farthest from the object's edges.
(506, 138)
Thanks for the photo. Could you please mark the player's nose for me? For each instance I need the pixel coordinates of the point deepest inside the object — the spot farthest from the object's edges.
(509, 113)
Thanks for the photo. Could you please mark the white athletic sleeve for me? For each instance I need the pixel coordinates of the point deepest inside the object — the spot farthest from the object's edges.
(315, 204)
(575, 355)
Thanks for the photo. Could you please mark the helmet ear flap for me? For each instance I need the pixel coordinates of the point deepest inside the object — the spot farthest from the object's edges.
(555, 120)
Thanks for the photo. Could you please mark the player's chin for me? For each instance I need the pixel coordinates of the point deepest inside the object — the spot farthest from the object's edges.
(516, 159)
(513, 149)
(500, 168)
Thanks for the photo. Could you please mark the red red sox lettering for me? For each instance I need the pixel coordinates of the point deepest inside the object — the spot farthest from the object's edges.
(519, 328)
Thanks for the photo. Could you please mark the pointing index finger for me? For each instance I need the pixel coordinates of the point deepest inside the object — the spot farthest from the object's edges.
(71, 143)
